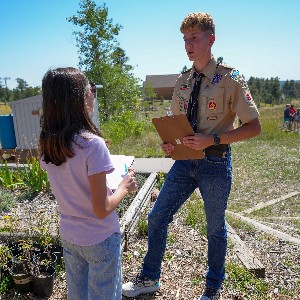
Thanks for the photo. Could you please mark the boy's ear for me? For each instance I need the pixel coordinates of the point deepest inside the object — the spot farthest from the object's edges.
(211, 40)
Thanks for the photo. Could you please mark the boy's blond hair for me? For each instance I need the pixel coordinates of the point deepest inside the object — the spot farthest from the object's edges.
(202, 21)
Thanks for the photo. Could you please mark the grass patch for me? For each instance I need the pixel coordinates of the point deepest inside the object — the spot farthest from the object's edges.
(194, 214)
(241, 280)
(5, 109)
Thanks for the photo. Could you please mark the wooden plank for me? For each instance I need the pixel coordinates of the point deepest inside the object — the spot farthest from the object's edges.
(245, 255)
(279, 234)
(278, 218)
(271, 202)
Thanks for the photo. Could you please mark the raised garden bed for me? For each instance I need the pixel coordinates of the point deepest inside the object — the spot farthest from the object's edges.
(37, 219)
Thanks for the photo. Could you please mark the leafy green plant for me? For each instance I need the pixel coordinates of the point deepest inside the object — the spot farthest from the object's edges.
(7, 200)
(12, 226)
(171, 239)
(142, 226)
(5, 284)
(123, 126)
(8, 177)
(33, 176)
(5, 256)
(240, 278)
(161, 177)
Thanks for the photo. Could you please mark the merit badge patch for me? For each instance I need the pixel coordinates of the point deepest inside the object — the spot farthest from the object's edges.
(212, 105)
(217, 78)
(184, 87)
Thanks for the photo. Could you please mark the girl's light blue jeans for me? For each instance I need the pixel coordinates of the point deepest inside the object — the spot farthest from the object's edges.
(213, 177)
(94, 272)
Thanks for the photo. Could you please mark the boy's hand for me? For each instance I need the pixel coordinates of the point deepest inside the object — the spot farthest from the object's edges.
(167, 148)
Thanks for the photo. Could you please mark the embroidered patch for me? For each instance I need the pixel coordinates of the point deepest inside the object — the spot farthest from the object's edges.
(234, 73)
(212, 105)
(217, 78)
(248, 98)
(212, 118)
(184, 87)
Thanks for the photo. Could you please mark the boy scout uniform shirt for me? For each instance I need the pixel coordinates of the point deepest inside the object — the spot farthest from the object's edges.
(223, 94)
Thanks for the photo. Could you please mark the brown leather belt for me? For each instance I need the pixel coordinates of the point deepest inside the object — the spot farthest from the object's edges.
(218, 151)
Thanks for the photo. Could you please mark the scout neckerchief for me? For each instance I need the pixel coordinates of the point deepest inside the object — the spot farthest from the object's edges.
(193, 101)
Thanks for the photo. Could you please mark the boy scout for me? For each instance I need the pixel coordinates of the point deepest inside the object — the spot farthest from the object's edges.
(211, 95)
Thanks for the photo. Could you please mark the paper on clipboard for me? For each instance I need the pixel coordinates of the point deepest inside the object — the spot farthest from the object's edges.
(172, 129)
(121, 164)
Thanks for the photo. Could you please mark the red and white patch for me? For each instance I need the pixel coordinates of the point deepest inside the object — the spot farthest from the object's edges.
(184, 87)
(248, 98)
(212, 105)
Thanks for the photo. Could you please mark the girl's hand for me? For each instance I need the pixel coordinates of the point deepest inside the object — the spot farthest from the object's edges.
(129, 183)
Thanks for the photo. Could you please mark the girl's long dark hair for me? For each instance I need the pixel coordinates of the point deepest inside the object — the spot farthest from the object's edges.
(64, 113)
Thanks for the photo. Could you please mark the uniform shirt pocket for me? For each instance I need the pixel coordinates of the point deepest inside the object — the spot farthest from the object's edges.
(214, 101)
(184, 97)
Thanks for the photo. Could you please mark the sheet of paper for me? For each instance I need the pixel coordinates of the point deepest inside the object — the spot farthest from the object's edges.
(121, 164)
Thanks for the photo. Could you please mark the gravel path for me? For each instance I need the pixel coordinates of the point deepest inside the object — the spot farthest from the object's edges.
(184, 263)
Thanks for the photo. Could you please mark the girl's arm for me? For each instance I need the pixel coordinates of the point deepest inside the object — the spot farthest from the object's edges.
(103, 205)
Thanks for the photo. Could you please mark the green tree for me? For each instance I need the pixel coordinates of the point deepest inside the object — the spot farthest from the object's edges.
(220, 60)
(184, 69)
(2, 92)
(103, 61)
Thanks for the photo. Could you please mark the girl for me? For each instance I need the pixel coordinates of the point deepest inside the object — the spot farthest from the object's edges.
(77, 160)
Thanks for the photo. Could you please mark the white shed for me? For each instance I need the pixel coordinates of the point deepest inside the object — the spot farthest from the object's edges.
(26, 116)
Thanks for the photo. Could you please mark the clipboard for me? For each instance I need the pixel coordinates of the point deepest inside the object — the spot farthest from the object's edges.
(172, 129)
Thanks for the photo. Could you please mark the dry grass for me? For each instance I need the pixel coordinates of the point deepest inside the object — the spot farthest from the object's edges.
(4, 109)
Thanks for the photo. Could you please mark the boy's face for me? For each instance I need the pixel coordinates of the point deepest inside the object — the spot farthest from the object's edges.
(198, 43)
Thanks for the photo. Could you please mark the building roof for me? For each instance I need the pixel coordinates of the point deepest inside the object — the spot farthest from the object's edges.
(37, 98)
(162, 81)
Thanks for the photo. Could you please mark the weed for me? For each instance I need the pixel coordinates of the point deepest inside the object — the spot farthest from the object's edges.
(168, 256)
(6, 284)
(161, 177)
(195, 215)
(196, 281)
(242, 280)
(238, 223)
(171, 240)
(7, 201)
(142, 226)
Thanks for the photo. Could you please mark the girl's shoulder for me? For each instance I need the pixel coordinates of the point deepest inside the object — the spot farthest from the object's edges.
(87, 139)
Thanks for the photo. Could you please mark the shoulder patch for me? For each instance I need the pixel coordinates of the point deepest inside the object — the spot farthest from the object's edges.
(234, 73)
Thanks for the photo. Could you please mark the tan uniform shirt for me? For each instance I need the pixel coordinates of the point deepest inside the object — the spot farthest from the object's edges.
(224, 94)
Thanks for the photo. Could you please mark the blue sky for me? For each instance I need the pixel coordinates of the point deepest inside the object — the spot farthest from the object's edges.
(258, 37)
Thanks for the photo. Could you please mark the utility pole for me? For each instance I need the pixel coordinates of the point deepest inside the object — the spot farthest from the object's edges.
(5, 79)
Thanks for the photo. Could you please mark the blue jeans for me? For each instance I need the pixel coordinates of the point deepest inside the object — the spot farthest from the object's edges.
(213, 176)
(94, 272)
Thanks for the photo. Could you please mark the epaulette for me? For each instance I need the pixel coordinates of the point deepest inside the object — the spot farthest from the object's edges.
(226, 66)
